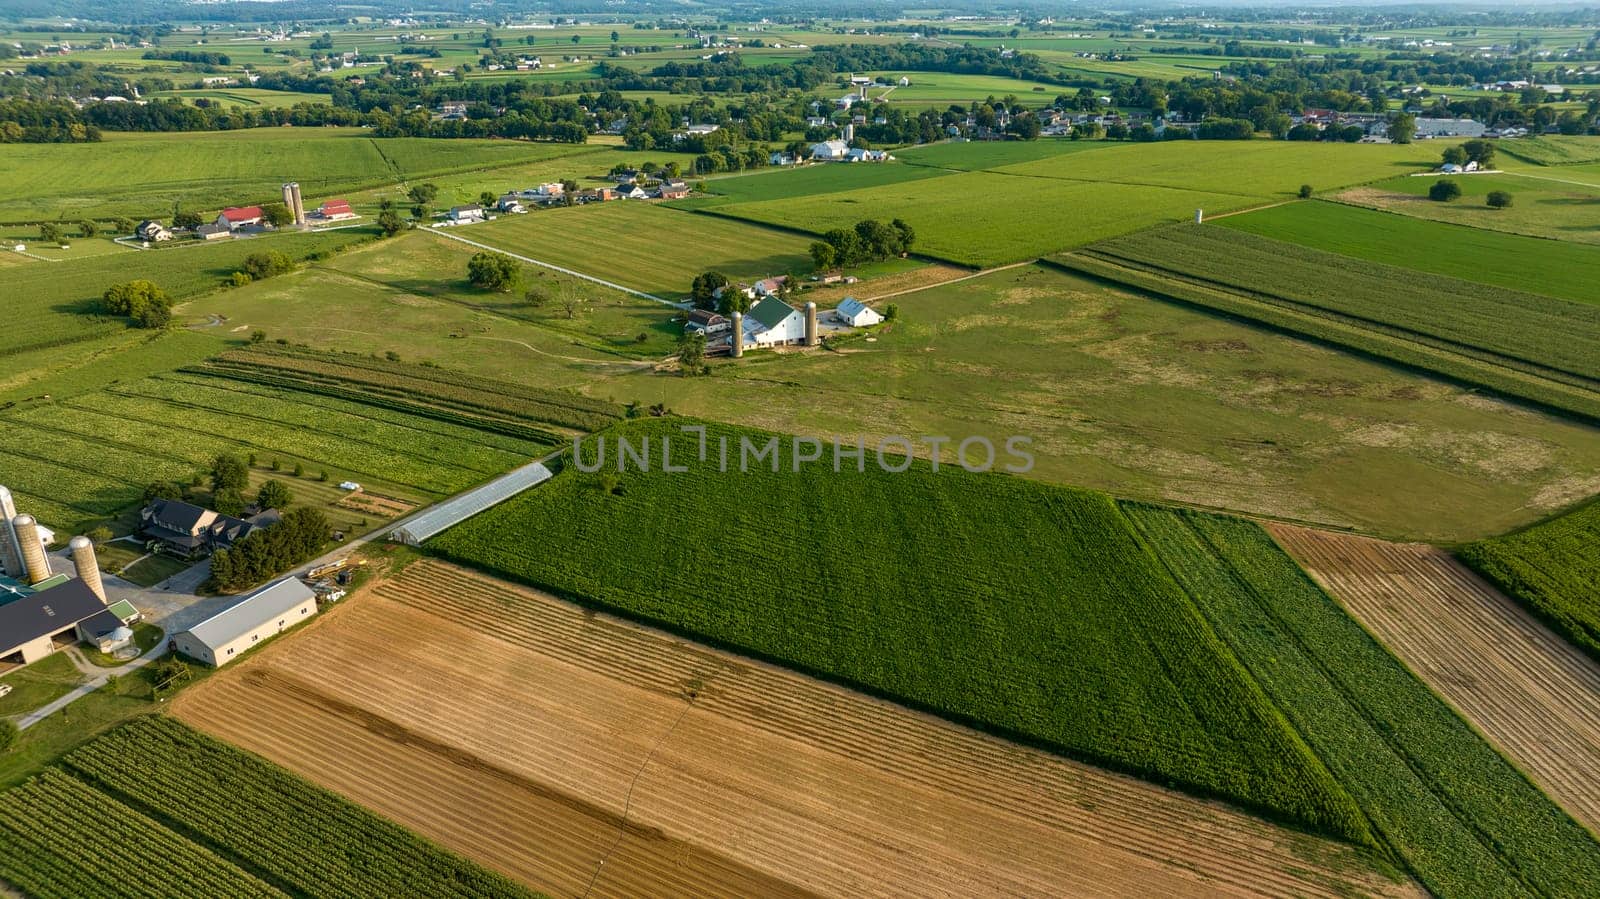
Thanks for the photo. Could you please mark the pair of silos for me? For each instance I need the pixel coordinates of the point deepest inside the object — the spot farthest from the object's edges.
(22, 550)
(291, 199)
(738, 330)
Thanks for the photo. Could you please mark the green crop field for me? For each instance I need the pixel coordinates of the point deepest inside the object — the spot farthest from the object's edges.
(219, 821)
(1520, 263)
(407, 431)
(145, 174)
(1559, 203)
(1552, 149)
(1552, 568)
(1058, 200)
(1462, 818)
(1459, 328)
(1083, 644)
(940, 89)
(646, 247)
(244, 97)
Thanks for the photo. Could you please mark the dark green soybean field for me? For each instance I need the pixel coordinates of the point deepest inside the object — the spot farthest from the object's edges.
(1437, 795)
(1552, 568)
(1026, 609)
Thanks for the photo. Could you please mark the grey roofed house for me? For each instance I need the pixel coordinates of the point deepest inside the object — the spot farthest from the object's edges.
(251, 612)
(192, 530)
(38, 615)
(213, 231)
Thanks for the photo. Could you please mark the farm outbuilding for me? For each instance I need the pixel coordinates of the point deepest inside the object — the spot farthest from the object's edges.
(856, 314)
(453, 511)
(258, 616)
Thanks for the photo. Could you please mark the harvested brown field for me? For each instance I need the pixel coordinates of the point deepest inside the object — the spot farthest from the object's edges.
(829, 295)
(1531, 693)
(588, 756)
(376, 504)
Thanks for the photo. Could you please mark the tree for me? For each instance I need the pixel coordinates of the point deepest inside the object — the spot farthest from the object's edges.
(486, 199)
(1402, 128)
(141, 300)
(258, 336)
(1498, 199)
(1479, 151)
(1444, 190)
(124, 225)
(823, 256)
(228, 501)
(273, 495)
(891, 312)
(186, 220)
(907, 235)
(1454, 156)
(228, 472)
(389, 222)
(162, 490)
(50, 232)
(100, 535)
(265, 265)
(703, 292)
(277, 215)
(493, 271)
(691, 352)
(423, 194)
(88, 228)
(570, 299)
(1305, 191)
(537, 296)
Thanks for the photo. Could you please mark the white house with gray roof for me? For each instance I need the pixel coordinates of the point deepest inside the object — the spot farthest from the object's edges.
(258, 616)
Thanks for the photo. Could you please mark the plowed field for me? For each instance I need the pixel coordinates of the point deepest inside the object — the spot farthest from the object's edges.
(586, 756)
(1532, 694)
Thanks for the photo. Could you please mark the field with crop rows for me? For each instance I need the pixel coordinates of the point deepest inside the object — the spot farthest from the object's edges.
(87, 457)
(1457, 328)
(144, 174)
(1535, 696)
(1526, 264)
(736, 777)
(1553, 569)
(50, 305)
(1022, 655)
(154, 808)
(1464, 820)
(646, 247)
(1552, 149)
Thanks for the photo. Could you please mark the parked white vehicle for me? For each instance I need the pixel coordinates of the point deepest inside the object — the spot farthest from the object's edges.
(5, 690)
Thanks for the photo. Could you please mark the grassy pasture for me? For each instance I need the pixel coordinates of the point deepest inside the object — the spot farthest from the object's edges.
(975, 156)
(646, 247)
(1086, 646)
(1554, 149)
(145, 174)
(1553, 569)
(806, 182)
(1557, 203)
(1461, 817)
(941, 89)
(1565, 270)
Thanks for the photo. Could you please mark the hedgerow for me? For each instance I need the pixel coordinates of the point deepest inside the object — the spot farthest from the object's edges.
(1443, 800)
(1026, 609)
(1552, 568)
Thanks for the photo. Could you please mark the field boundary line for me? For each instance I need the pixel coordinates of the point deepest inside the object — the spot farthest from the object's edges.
(1589, 184)
(968, 277)
(553, 267)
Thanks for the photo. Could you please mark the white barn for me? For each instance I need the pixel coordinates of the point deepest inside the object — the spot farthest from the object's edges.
(772, 322)
(830, 150)
(856, 314)
(259, 616)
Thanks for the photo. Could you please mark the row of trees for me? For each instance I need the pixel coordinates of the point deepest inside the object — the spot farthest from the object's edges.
(295, 538)
(869, 241)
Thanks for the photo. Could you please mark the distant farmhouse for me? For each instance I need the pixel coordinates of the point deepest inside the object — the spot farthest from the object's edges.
(237, 217)
(152, 231)
(462, 215)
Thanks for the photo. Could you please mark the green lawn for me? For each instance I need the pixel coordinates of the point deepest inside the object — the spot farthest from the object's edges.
(1555, 203)
(38, 684)
(1526, 264)
(1554, 149)
(1031, 610)
(145, 637)
(646, 247)
(154, 569)
(45, 743)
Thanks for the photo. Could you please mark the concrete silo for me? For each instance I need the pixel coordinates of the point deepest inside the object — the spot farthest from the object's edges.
(299, 206)
(34, 561)
(738, 335)
(87, 565)
(10, 549)
(811, 324)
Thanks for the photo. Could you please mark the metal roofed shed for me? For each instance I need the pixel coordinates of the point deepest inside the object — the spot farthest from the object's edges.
(258, 616)
(451, 512)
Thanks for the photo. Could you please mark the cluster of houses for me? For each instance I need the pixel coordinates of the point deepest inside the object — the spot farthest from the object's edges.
(841, 151)
(236, 220)
(555, 193)
(771, 322)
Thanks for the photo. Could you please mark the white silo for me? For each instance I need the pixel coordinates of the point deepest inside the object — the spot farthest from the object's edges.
(849, 132)
(34, 561)
(10, 549)
(738, 335)
(811, 324)
(87, 566)
(299, 205)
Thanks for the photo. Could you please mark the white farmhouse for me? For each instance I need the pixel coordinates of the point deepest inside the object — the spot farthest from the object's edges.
(856, 314)
(772, 322)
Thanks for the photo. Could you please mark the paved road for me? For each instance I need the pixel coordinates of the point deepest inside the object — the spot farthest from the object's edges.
(553, 267)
